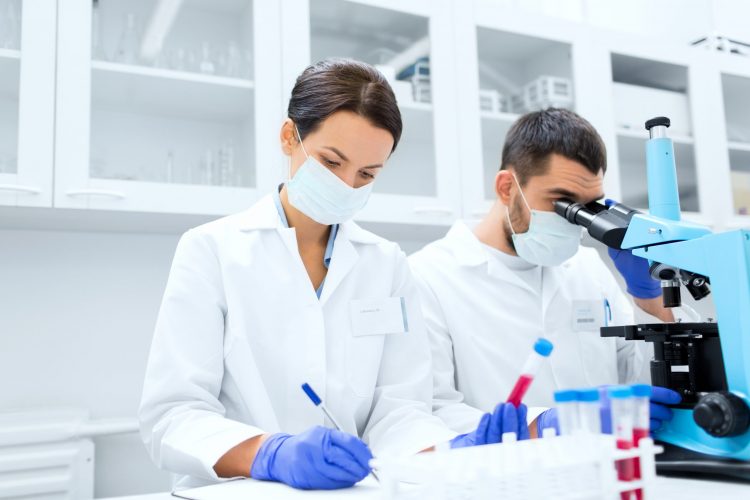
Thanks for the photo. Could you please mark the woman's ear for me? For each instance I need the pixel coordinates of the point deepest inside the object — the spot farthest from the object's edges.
(288, 137)
(503, 183)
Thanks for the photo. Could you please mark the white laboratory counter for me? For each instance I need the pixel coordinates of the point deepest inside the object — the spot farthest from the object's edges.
(665, 488)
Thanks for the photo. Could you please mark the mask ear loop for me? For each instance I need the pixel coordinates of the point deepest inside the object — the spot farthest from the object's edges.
(507, 210)
(299, 138)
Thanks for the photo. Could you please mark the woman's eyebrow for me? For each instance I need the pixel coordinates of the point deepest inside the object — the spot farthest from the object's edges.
(335, 150)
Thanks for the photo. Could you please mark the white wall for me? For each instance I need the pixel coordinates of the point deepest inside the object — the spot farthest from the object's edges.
(77, 312)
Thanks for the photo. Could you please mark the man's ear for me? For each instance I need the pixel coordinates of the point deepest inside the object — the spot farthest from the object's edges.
(503, 183)
(288, 137)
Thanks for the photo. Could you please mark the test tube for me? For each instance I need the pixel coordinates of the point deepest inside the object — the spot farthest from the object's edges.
(542, 350)
(589, 410)
(621, 401)
(641, 420)
(567, 411)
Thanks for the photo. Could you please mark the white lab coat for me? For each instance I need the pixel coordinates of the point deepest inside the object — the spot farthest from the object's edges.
(482, 320)
(241, 328)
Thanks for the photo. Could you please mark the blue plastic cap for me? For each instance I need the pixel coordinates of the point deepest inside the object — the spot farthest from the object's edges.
(311, 394)
(543, 347)
(641, 390)
(588, 395)
(565, 396)
(619, 392)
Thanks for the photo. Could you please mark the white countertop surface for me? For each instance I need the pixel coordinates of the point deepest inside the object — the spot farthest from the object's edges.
(665, 487)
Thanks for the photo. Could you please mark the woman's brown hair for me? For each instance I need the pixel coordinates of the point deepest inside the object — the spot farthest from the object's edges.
(333, 85)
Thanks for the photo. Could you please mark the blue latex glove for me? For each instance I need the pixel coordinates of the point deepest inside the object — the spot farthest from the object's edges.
(546, 419)
(661, 396)
(659, 412)
(505, 418)
(319, 458)
(635, 270)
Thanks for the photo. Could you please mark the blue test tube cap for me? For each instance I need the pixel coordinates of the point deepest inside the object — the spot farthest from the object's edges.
(565, 396)
(588, 395)
(619, 392)
(641, 390)
(543, 347)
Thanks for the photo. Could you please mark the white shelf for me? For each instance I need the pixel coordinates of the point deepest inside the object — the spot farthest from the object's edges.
(500, 116)
(638, 134)
(415, 106)
(10, 65)
(10, 54)
(168, 92)
(739, 146)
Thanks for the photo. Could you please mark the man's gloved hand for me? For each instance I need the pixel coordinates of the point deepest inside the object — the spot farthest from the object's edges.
(505, 418)
(635, 271)
(547, 419)
(319, 458)
(659, 412)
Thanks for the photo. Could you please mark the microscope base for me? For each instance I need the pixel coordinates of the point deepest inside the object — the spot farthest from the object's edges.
(679, 462)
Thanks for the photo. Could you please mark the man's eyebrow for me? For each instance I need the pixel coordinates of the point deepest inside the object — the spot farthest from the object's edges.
(335, 150)
(568, 194)
(563, 192)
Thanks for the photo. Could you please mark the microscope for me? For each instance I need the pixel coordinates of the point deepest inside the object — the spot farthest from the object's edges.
(707, 363)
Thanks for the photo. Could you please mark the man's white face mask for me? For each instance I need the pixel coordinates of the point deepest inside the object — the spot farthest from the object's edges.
(550, 239)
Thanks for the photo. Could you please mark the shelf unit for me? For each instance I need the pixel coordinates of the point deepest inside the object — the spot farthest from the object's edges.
(83, 128)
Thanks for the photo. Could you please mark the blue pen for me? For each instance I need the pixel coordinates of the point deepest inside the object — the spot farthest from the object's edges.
(319, 403)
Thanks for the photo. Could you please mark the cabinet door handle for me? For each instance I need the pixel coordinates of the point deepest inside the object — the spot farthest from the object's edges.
(20, 189)
(433, 210)
(78, 193)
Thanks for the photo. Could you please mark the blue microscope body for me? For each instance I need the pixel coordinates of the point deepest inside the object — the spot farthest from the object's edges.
(708, 363)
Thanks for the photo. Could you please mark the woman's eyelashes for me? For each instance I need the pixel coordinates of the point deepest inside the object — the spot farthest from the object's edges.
(332, 164)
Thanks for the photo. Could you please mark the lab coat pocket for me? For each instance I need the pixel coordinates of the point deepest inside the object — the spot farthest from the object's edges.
(371, 321)
(599, 354)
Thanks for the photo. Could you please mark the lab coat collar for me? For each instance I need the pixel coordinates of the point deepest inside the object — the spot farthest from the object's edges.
(470, 252)
(466, 246)
(264, 215)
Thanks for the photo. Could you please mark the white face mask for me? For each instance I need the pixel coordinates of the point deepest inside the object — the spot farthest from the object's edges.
(321, 195)
(550, 239)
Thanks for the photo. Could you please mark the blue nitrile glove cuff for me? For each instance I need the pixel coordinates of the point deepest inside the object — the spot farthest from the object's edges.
(547, 418)
(635, 270)
(505, 418)
(264, 459)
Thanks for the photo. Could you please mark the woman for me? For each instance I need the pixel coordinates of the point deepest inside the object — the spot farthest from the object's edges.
(290, 292)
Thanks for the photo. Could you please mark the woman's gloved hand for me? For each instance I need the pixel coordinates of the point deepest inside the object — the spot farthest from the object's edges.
(505, 418)
(319, 458)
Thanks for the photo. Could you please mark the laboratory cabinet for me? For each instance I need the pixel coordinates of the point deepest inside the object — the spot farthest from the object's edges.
(410, 41)
(159, 107)
(27, 81)
(167, 106)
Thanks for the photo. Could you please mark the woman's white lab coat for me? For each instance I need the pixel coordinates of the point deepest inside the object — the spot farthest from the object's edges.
(241, 328)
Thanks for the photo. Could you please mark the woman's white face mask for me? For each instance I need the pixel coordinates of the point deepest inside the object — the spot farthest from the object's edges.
(321, 195)
(550, 239)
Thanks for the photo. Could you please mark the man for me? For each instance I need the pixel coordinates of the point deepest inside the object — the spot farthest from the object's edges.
(488, 294)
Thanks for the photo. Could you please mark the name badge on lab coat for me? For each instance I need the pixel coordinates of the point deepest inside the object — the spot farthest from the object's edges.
(378, 316)
(588, 315)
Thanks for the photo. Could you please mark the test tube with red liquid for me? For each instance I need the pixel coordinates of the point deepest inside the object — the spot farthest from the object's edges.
(641, 418)
(621, 401)
(542, 350)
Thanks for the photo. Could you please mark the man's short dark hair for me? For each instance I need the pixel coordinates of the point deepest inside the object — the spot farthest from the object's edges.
(535, 136)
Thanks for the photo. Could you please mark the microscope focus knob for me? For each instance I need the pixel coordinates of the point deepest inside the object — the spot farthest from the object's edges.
(722, 414)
